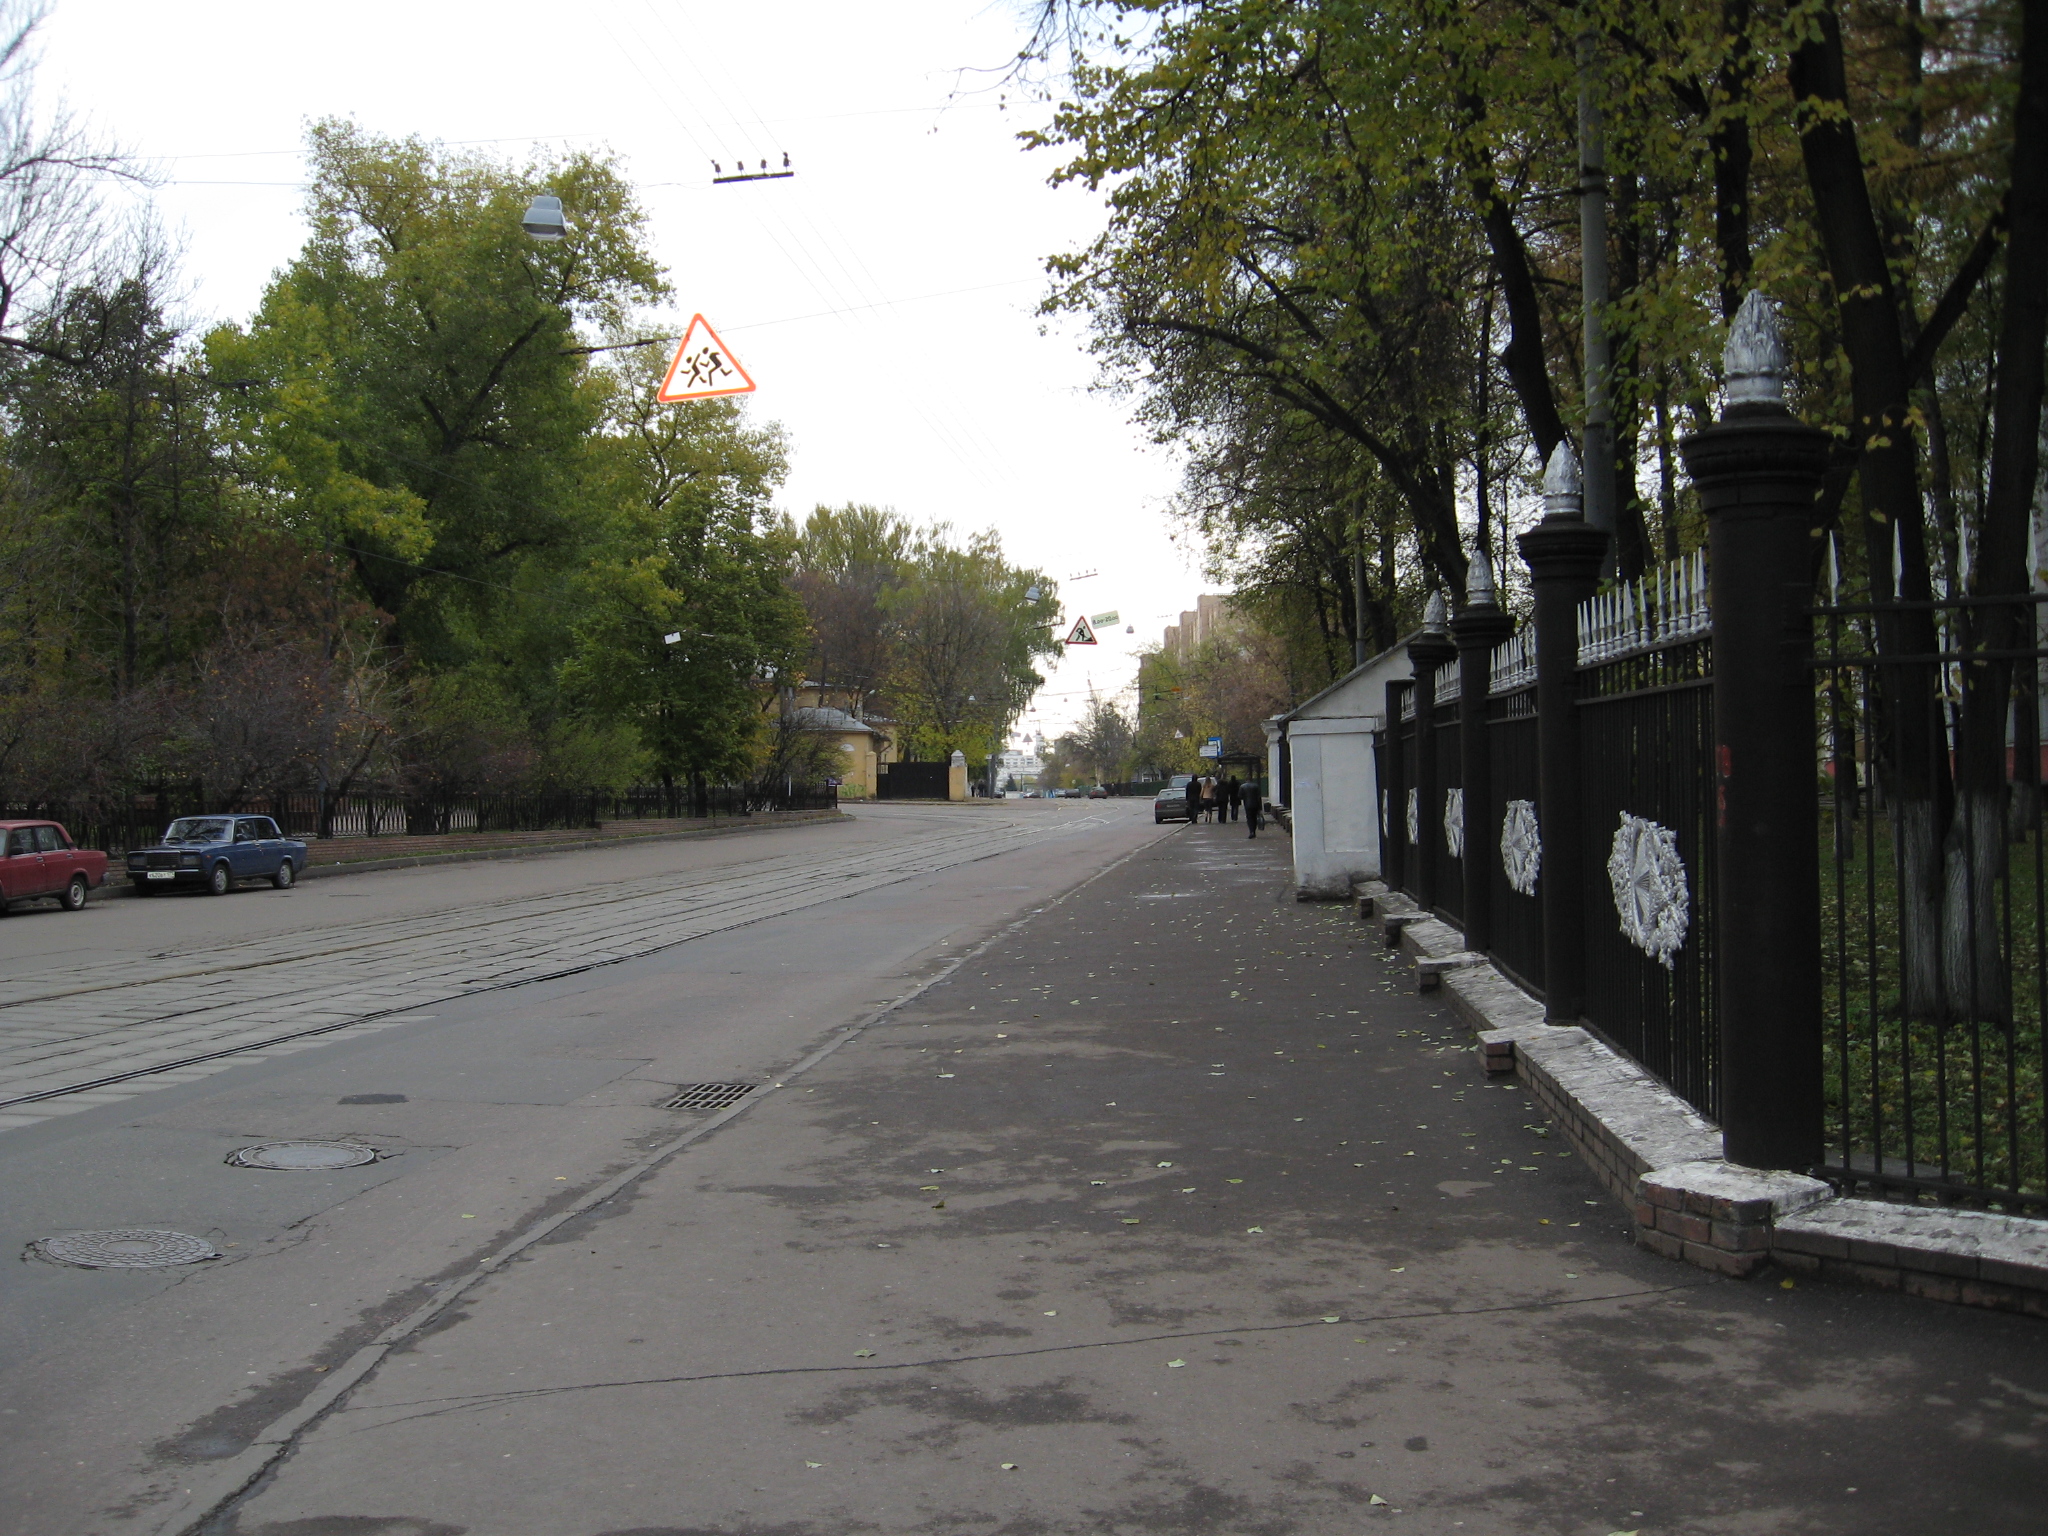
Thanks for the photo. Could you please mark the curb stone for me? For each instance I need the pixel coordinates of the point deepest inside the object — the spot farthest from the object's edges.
(1663, 1159)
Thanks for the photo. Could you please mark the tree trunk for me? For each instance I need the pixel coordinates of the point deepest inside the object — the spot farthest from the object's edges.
(1887, 474)
(1728, 142)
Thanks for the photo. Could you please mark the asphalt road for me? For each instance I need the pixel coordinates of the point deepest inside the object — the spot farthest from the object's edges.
(1171, 1209)
(505, 1033)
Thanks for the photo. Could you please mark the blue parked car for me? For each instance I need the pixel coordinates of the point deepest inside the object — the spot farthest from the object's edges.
(214, 852)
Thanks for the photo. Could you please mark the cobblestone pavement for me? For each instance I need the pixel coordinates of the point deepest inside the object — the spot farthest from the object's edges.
(94, 1032)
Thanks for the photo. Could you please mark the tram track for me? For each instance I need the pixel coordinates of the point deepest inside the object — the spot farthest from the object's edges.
(106, 1029)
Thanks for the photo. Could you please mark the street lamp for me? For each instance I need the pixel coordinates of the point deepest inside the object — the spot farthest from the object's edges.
(543, 218)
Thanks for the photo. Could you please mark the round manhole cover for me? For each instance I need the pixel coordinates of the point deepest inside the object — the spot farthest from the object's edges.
(125, 1248)
(314, 1155)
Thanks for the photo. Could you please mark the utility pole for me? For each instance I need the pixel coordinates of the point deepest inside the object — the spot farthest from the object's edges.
(1596, 456)
(1358, 657)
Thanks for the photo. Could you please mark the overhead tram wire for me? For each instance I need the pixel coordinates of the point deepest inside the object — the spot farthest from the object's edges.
(774, 226)
(833, 240)
(958, 438)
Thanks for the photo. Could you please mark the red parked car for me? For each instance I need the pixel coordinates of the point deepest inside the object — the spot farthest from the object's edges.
(39, 859)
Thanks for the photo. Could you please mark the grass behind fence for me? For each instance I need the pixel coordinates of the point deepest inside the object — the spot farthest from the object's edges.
(1933, 1111)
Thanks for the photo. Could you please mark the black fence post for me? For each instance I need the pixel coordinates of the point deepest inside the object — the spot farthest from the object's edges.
(1394, 794)
(1477, 630)
(1564, 554)
(1427, 652)
(1756, 471)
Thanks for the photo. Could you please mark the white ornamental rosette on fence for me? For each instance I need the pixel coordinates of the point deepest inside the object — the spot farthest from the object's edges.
(1414, 819)
(1649, 888)
(1454, 822)
(1521, 848)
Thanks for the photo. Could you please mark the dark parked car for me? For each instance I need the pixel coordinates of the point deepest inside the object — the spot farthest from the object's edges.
(215, 852)
(38, 858)
(1171, 803)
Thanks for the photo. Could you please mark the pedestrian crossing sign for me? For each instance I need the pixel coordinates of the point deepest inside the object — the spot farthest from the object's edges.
(703, 369)
(1081, 633)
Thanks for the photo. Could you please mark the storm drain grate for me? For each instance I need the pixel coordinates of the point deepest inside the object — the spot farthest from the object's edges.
(709, 1095)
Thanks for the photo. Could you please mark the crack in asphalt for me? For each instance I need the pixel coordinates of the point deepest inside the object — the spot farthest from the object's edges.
(279, 1441)
(768, 896)
(464, 1403)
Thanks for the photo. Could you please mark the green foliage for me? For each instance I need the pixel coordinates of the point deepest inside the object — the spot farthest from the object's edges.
(1342, 269)
(404, 526)
(848, 560)
(694, 550)
(967, 632)
(938, 636)
(416, 387)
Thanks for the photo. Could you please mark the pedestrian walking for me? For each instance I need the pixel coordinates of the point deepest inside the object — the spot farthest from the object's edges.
(1208, 797)
(1233, 788)
(1248, 797)
(1194, 798)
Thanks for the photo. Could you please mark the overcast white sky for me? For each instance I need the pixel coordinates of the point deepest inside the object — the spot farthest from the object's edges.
(882, 298)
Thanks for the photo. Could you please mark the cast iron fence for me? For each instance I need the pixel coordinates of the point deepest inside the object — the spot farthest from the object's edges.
(1508, 819)
(138, 819)
(1803, 884)
(1642, 801)
(1447, 817)
(1646, 749)
(1934, 899)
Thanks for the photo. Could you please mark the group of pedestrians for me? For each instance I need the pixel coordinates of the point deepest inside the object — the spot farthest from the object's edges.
(1213, 799)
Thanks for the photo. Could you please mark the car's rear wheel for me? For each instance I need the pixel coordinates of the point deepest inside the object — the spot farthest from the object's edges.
(218, 881)
(284, 876)
(75, 894)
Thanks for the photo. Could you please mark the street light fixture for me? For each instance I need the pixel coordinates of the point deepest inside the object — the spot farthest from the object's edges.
(543, 218)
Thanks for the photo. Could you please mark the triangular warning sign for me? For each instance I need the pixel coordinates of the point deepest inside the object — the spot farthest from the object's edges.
(1082, 634)
(704, 368)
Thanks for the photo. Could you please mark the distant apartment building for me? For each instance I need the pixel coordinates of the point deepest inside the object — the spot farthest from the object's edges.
(1211, 616)
(1022, 763)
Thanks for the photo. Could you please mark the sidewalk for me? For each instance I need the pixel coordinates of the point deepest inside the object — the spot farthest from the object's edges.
(1172, 1211)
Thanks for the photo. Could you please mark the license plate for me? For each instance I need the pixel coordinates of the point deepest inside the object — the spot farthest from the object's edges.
(163, 874)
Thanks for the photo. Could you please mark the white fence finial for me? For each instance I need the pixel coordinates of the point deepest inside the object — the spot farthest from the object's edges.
(1754, 362)
(1564, 490)
(1479, 581)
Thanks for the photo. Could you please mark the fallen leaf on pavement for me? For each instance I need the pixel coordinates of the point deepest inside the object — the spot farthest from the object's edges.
(814, 1463)
(1174, 1365)
(863, 1354)
(1009, 1466)
(1255, 1229)
(1131, 1221)
(1375, 1499)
